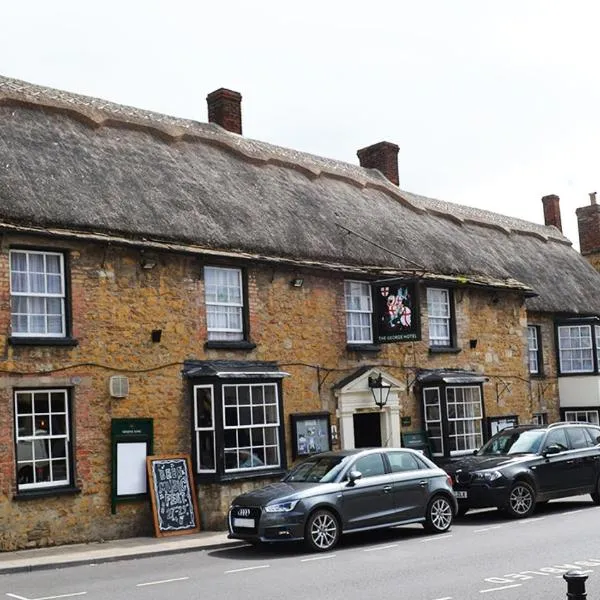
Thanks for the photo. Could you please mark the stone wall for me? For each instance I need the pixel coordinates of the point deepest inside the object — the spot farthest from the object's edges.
(115, 306)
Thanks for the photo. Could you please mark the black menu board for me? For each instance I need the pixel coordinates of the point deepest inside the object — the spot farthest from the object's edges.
(174, 503)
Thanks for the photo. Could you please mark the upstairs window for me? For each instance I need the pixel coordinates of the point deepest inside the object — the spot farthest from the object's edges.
(576, 350)
(359, 312)
(224, 304)
(440, 317)
(37, 289)
(533, 337)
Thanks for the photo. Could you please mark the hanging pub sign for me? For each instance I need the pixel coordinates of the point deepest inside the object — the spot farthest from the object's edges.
(397, 312)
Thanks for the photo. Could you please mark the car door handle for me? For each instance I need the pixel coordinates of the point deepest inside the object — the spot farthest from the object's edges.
(423, 483)
(387, 488)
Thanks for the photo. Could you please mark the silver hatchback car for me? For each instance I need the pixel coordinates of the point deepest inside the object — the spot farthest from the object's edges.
(346, 491)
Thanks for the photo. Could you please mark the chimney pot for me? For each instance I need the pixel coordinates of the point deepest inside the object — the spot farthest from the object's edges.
(592, 197)
(225, 109)
(382, 156)
(552, 211)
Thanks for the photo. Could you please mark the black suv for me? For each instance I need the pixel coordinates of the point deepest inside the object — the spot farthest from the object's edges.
(526, 465)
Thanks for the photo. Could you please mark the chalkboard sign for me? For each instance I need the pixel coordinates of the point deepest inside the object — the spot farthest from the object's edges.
(174, 504)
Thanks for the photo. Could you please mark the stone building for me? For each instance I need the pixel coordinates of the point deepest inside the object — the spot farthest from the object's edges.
(246, 305)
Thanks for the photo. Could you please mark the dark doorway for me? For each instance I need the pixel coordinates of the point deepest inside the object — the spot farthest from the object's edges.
(367, 430)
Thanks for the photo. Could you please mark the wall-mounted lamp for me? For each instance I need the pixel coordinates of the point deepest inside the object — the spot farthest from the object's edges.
(148, 261)
(380, 390)
(156, 335)
(472, 344)
(298, 282)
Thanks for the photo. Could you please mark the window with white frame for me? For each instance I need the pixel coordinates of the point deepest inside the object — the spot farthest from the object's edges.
(575, 349)
(539, 418)
(204, 425)
(433, 420)
(439, 312)
(359, 312)
(224, 303)
(251, 426)
(533, 349)
(43, 438)
(465, 418)
(582, 416)
(37, 289)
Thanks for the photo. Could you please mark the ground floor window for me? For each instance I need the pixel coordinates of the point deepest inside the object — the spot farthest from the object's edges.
(238, 428)
(582, 416)
(43, 453)
(453, 418)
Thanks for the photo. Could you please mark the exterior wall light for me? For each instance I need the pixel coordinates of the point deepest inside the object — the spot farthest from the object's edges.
(298, 282)
(380, 390)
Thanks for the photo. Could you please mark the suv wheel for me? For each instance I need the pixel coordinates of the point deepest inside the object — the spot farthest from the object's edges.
(322, 531)
(596, 492)
(521, 500)
(438, 517)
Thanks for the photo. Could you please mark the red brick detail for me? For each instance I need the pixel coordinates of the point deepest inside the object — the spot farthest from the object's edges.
(382, 156)
(225, 109)
(588, 222)
(552, 211)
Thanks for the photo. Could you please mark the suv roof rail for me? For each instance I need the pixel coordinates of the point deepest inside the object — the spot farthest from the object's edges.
(563, 423)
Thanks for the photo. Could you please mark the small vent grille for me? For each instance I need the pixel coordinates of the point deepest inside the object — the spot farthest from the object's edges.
(119, 386)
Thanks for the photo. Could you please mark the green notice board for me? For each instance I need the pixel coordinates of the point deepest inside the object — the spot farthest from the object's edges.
(131, 444)
(417, 440)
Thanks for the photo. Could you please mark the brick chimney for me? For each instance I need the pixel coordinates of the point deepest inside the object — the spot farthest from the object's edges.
(225, 109)
(588, 223)
(382, 156)
(552, 211)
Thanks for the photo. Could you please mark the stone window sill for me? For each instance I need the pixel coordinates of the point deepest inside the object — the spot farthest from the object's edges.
(46, 493)
(444, 349)
(223, 345)
(42, 341)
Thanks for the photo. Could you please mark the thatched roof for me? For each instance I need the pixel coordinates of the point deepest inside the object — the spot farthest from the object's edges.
(81, 166)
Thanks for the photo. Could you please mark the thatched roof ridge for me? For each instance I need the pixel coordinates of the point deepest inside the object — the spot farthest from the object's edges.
(79, 166)
(102, 113)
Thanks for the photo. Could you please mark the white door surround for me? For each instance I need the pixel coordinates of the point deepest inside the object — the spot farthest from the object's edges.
(356, 397)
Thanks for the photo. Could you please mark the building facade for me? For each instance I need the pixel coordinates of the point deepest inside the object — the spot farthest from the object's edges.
(171, 287)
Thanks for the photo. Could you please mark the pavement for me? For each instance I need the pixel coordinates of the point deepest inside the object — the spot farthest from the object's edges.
(98, 552)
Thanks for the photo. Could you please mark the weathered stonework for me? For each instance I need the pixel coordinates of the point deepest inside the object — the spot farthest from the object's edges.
(115, 305)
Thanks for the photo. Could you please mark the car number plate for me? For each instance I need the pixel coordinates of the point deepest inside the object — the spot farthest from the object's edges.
(237, 522)
(460, 494)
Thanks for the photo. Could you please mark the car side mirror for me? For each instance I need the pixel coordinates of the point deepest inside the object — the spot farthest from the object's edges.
(354, 476)
(552, 449)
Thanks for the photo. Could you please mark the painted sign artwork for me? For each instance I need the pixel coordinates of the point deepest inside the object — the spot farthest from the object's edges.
(397, 312)
(173, 500)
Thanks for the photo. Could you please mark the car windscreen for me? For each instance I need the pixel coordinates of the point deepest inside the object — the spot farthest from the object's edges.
(513, 442)
(317, 469)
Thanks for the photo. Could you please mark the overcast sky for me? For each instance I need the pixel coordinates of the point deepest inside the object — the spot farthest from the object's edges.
(494, 104)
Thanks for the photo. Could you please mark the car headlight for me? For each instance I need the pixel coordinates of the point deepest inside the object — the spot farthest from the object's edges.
(488, 475)
(281, 507)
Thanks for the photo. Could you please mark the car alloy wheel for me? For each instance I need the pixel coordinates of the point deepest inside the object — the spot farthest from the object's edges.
(521, 500)
(322, 531)
(439, 515)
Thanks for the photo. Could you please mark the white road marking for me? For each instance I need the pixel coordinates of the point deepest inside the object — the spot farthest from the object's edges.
(162, 581)
(444, 598)
(48, 597)
(436, 538)
(318, 557)
(380, 548)
(487, 529)
(248, 569)
(505, 587)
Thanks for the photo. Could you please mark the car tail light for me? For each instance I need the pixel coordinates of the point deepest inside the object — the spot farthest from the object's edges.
(450, 482)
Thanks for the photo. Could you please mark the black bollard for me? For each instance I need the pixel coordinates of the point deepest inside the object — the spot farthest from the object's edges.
(575, 585)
